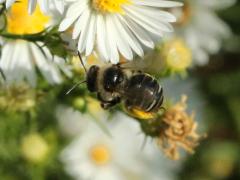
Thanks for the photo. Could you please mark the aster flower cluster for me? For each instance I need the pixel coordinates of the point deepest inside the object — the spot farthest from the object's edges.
(48, 46)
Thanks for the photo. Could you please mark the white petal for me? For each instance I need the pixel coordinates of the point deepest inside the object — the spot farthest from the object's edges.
(73, 12)
(128, 36)
(9, 3)
(122, 44)
(27, 64)
(48, 70)
(31, 6)
(101, 36)
(84, 33)
(80, 24)
(142, 35)
(59, 4)
(151, 26)
(114, 56)
(44, 5)
(66, 23)
(158, 3)
(91, 35)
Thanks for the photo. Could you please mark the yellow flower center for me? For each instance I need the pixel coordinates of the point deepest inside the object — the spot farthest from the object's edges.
(20, 22)
(177, 55)
(100, 154)
(109, 6)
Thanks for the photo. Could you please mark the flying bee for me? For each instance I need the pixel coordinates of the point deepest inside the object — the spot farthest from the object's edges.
(118, 83)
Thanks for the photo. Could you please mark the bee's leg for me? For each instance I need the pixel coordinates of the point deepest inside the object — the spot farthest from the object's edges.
(108, 104)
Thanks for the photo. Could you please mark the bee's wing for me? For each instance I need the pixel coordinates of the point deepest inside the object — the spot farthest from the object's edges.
(151, 63)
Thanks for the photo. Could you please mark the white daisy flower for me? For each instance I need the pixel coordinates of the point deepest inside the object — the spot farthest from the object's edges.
(19, 58)
(124, 26)
(201, 28)
(45, 5)
(95, 155)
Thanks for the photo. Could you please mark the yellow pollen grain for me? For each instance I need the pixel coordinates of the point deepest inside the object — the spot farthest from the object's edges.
(100, 154)
(137, 113)
(20, 22)
(110, 6)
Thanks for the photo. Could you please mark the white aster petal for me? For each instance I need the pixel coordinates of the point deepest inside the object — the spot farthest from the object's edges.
(158, 3)
(9, 3)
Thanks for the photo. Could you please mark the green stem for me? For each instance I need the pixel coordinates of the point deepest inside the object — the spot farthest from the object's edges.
(34, 37)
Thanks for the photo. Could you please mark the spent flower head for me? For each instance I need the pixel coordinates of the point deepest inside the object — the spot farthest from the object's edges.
(172, 128)
(179, 130)
(17, 98)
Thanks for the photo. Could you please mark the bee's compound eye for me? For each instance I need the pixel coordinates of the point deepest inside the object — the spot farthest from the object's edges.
(112, 77)
(92, 78)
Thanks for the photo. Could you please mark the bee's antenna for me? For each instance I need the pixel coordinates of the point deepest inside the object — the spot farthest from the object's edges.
(80, 57)
(77, 84)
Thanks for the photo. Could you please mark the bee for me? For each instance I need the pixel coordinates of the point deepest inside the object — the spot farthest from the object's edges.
(116, 83)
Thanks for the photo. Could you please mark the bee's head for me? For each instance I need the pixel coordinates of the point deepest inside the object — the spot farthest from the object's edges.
(92, 78)
(112, 78)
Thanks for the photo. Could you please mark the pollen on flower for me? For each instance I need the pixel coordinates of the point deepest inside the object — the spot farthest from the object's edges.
(109, 6)
(20, 22)
(100, 154)
(179, 131)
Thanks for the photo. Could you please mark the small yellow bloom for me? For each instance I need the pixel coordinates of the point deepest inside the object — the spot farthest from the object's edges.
(177, 55)
(20, 22)
(34, 148)
(109, 6)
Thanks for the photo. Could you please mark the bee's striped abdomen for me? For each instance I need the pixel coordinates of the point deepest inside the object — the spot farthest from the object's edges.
(144, 92)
